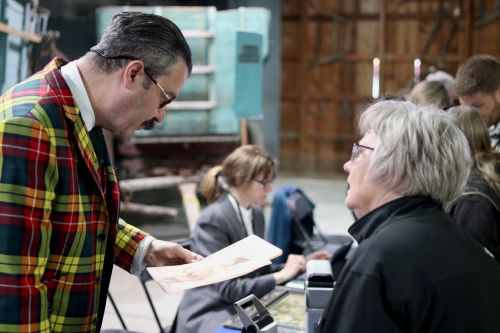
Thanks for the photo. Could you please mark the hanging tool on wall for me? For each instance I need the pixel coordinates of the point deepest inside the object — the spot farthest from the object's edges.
(338, 21)
(487, 19)
(453, 15)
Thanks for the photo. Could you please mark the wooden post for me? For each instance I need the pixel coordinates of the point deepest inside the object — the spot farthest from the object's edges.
(191, 203)
(304, 162)
(382, 25)
(29, 36)
(244, 131)
(469, 28)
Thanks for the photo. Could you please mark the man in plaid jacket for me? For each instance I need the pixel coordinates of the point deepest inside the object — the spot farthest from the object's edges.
(59, 202)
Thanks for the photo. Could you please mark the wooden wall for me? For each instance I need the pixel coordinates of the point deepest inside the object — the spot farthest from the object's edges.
(327, 51)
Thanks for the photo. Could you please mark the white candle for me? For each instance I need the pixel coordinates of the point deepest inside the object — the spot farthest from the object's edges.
(416, 70)
(376, 78)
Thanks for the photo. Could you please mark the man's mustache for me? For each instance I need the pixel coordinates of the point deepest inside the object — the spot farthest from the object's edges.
(149, 124)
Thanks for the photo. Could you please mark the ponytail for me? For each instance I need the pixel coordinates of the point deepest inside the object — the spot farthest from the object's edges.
(210, 187)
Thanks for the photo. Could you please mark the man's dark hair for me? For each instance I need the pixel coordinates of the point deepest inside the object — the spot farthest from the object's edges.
(154, 39)
(479, 73)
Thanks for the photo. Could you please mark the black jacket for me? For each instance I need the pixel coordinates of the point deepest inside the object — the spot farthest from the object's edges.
(477, 210)
(414, 271)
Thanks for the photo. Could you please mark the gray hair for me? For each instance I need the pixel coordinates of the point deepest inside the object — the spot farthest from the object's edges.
(154, 39)
(420, 151)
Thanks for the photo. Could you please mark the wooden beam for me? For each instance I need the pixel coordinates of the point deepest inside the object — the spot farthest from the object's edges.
(382, 56)
(333, 98)
(29, 36)
(131, 207)
(390, 58)
(185, 139)
(454, 58)
(370, 17)
(150, 183)
(469, 29)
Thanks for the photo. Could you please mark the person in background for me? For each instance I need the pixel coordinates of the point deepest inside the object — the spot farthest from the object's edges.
(60, 231)
(447, 80)
(477, 209)
(236, 191)
(429, 93)
(415, 270)
(478, 85)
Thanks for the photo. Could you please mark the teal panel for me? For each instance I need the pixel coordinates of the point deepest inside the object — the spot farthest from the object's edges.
(227, 24)
(223, 121)
(256, 20)
(192, 18)
(248, 91)
(195, 88)
(185, 122)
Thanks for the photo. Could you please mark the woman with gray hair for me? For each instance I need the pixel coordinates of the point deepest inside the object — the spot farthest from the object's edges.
(414, 269)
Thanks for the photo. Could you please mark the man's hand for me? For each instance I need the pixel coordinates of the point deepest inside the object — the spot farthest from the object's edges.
(162, 253)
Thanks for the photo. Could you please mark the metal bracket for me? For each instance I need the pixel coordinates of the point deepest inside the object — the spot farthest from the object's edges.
(258, 322)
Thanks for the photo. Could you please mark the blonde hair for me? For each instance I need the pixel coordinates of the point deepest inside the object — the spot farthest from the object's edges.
(489, 165)
(475, 129)
(429, 93)
(473, 126)
(241, 166)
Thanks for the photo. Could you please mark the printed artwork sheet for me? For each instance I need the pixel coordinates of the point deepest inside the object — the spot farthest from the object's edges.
(233, 261)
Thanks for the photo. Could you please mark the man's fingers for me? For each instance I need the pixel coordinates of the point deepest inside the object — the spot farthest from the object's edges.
(191, 256)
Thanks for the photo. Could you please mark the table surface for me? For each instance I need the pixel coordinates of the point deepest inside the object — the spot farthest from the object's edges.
(289, 311)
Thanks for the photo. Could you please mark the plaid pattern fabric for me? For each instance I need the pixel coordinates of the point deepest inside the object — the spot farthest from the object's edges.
(55, 216)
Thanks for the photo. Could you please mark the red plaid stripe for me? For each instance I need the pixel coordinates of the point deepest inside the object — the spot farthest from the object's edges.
(53, 212)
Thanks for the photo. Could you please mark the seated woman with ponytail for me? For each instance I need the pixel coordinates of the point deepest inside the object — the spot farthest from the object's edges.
(236, 191)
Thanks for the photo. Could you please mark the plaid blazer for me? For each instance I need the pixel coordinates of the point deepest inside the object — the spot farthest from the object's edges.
(59, 210)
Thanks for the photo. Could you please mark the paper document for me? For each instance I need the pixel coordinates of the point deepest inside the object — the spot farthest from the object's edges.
(235, 260)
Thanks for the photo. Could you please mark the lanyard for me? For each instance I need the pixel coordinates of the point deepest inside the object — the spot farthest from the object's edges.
(239, 213)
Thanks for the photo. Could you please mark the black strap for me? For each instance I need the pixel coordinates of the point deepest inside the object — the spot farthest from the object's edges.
(99, 144)
(101, 152)
(239, 213)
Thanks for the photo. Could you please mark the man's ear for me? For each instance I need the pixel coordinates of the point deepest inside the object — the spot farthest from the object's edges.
(132, 72)
(497, 94)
